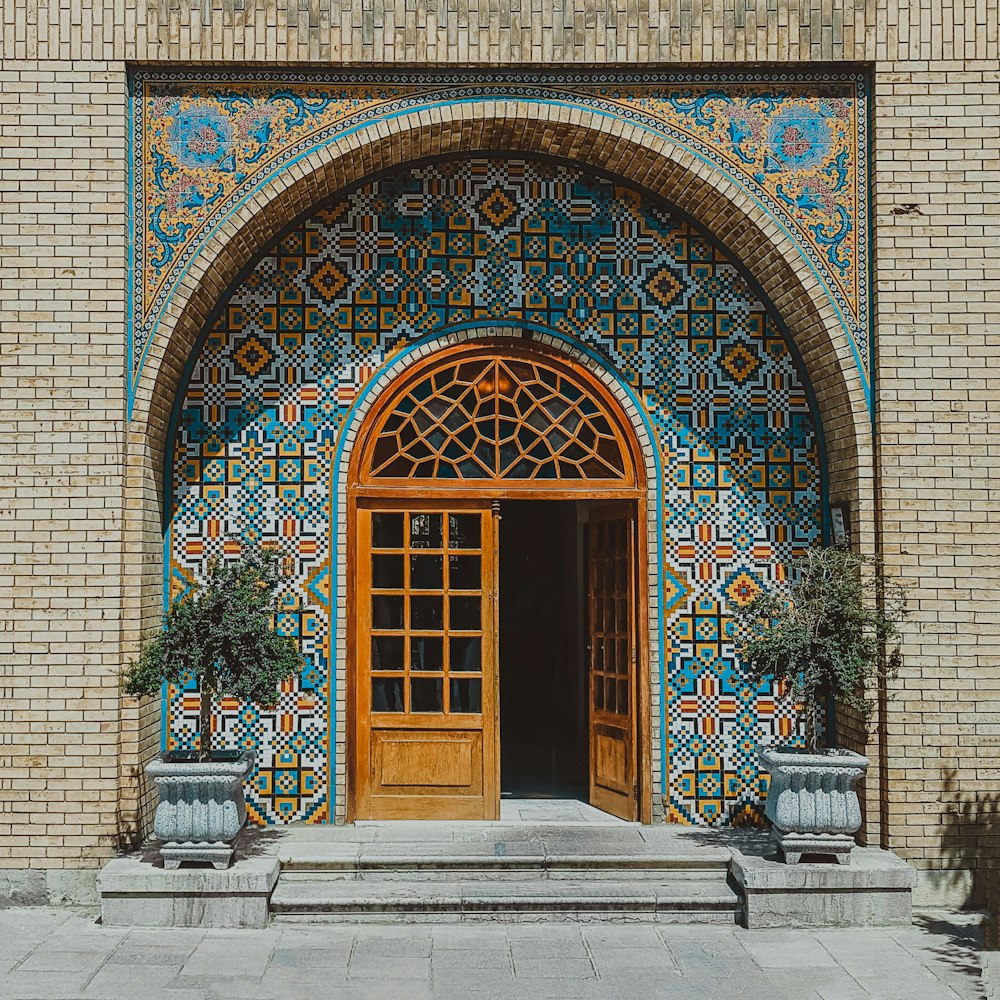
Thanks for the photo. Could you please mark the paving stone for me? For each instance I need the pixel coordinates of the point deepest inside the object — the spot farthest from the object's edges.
(179, 937)
(361, 989)
(83, 941)
(805, 954)
(304, 981)
(463, 936)
(20, 985)
(14, 952)
(882, 988)
(45, 959)
(234, 988)
(391, 946)
(641, 981)
(835, 984)
(290, 959)
(572, 947)
(542, 931)
(704, 960)
(132, 953)
(464, 992)
(33, 922)
(373, 967)
(215, 958)
(470, 958)
(554, 968)
(627, 936)
(472, 979)
(606, 958)
(315, 938)
(173, 993)
(130, 981)
(556, 989)
(628, 962)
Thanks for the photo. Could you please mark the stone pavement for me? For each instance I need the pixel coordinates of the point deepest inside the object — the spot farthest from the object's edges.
(48, 953)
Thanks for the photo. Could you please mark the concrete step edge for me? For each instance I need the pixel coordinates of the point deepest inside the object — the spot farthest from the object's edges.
(677, 917)
(603, 862)
(467, 874)
(458, 898)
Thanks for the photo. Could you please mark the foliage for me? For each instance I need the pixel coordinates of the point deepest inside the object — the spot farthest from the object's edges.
(222, 636)
(833, 632)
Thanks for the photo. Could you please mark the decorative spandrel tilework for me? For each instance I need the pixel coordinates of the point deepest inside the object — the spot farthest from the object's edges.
(480, 242)
(201, 144)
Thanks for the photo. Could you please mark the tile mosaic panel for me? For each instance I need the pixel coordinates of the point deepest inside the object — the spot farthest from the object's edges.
(476, 242)
(202, 142)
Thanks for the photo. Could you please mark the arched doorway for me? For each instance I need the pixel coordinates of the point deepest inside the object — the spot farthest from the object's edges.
(467, 632)
(328, 317)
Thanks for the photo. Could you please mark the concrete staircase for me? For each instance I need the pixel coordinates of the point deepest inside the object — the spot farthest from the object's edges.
(506, 872)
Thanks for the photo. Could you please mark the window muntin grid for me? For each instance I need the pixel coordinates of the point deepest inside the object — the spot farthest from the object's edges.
(427, 606)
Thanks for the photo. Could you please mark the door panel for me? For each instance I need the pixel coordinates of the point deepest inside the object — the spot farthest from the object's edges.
(612, 655)
(426, 703)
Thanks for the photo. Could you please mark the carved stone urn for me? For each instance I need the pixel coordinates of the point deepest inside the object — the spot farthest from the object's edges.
(812, 801)
(201, 809)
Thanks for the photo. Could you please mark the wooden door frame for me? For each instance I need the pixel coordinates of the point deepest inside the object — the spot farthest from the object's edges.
(455, 491)
(644, 796)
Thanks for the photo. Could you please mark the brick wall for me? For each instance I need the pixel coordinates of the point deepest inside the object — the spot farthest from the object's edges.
(70, 751)
(937, 183)
(62, 267)
(479, 32)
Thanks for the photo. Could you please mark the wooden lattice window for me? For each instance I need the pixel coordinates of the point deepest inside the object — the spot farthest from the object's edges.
(513, 416)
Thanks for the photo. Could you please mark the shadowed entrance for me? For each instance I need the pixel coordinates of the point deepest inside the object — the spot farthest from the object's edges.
(544, 741)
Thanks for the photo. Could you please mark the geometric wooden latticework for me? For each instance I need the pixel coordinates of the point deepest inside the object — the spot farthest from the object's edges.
(500, 418)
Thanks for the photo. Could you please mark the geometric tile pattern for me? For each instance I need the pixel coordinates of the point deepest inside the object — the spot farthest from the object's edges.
(470, 242)
(203, 141)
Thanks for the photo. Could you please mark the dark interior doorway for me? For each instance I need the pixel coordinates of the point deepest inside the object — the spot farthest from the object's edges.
(544, 750)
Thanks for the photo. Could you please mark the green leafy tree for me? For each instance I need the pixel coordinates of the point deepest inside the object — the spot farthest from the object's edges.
(832, 633)
(223, 636)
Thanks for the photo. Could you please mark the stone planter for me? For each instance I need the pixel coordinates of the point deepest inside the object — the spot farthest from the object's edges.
(812, 801)
(201, 808)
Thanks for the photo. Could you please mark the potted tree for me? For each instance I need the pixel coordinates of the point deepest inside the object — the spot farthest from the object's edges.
(829, 637)
(223, 637)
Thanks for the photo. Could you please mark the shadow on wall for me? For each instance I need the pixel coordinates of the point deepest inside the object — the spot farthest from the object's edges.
(971, 840)
(134, 820)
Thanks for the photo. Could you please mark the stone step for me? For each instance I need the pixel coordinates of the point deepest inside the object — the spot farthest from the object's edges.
(472, 868)
(504, 853)
(436, 864)
(525, 899)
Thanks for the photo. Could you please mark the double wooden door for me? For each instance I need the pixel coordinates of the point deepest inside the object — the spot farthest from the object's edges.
(427, 661)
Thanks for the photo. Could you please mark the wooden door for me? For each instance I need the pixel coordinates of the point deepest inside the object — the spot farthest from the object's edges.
(612, 656)
(426, 703)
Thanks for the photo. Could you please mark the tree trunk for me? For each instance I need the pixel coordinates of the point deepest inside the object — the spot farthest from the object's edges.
(810, 713)
(207, 690)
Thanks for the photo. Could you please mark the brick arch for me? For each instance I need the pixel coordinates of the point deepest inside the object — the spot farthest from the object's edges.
(618, 148)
